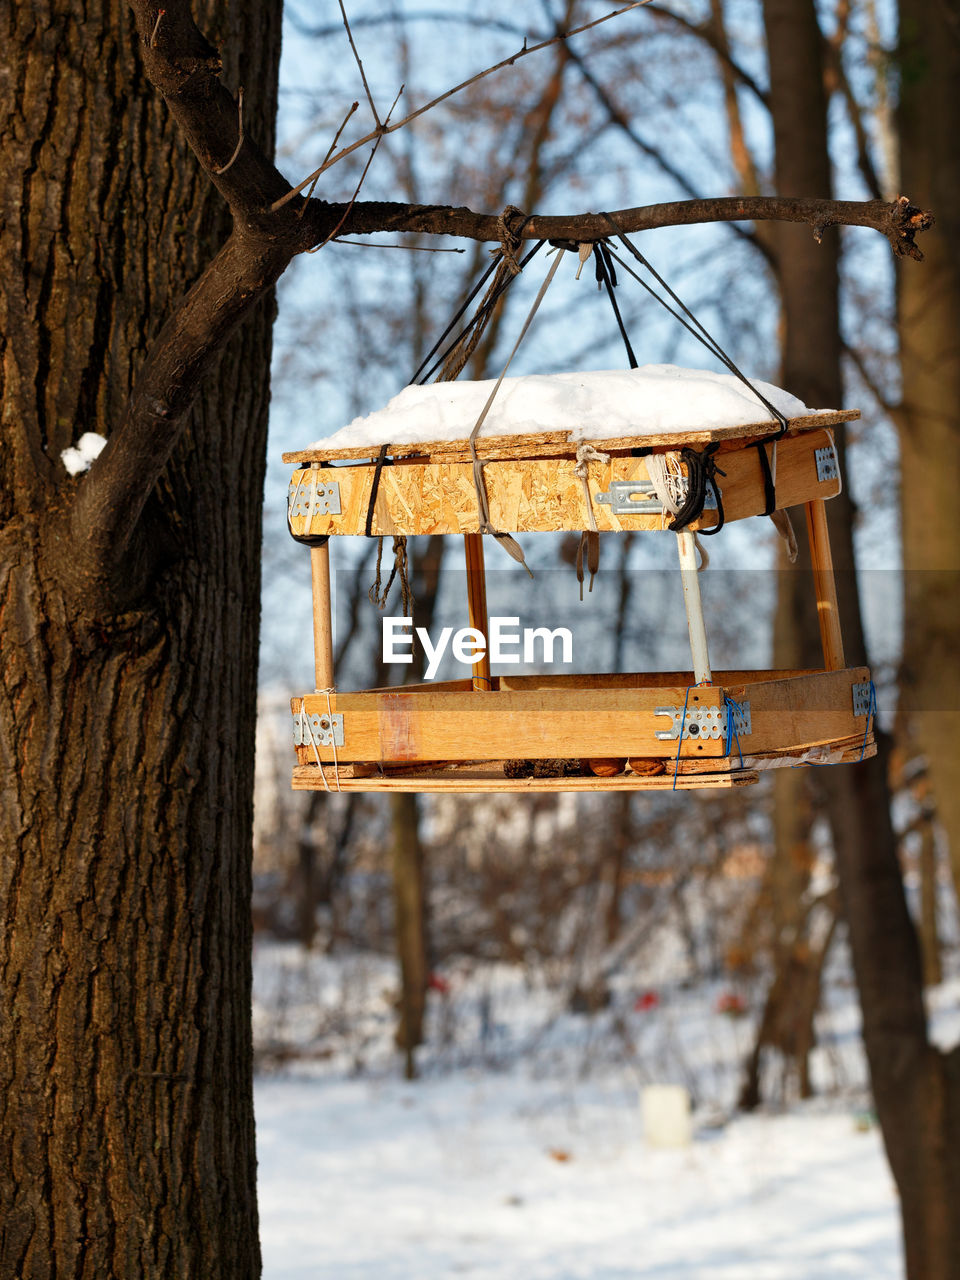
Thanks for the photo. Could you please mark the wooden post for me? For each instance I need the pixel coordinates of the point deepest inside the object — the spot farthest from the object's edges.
(477, 603)
(322, 620)
(687, 550)
(825, 586)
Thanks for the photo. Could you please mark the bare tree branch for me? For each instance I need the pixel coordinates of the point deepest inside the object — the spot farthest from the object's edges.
(101, 519)
(363, 74)
(899, 220)
(706, 31)
(619, 119)
(505, 62)
(185, 68)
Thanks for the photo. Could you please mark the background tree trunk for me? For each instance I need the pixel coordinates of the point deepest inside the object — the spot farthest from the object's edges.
(929, 417)
(916, 1089)
(126, 738)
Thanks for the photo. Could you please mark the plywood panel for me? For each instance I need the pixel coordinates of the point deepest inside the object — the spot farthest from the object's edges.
(559, 443)
(474, 780)
(538, 495)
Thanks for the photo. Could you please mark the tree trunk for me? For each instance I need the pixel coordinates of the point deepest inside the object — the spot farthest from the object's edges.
(410, 893)
(126, 733)
(929, 417)
(916, 1089)
(410, 923)
(929, 892)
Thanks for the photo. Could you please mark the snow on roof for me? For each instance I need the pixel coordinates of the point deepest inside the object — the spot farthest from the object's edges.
(591, 406)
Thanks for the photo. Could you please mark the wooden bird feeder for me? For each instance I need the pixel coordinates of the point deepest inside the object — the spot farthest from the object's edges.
(685, 729)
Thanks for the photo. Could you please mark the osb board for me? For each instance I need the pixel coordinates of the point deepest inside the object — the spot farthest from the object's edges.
(307, 778)
(537, 495)
(543, 444)
(535, 724)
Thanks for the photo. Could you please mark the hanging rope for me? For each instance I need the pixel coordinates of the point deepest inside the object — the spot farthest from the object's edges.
(506, 267)
(685, 316)
(378, 595)
(590, 538)
(607, 277)
(447, 365)
(509, 544)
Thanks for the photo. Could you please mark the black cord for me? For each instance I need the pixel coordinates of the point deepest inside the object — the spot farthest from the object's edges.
(381, 460)
(694, 326)
(423, 374)
(702, 470)
(469, 298)
(608, 278)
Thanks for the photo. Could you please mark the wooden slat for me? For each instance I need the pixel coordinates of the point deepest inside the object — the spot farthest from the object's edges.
(594, 680)
(562, 720)
(537, 495)
(477, 605)
(631, 680)
(322, 619)
(850, 751)
(536, 724)
(559, 443)
(807, 711)
(825, 584)
(307, 778)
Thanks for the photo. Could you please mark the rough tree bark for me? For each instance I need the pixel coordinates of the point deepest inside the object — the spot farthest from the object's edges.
(129, 605)
(126, 714)
(916, 1088)
(929, 416)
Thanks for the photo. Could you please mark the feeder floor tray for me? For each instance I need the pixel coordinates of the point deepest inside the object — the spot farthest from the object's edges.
(416, 738)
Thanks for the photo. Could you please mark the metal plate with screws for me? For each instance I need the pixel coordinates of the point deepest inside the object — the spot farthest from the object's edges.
(322, 729)
(827, 466)
(631, 497)
(740, 711)
(302, 501)
(699, 722)
(862, 699)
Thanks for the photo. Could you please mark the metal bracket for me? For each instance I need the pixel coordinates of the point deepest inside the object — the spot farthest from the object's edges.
(861, 699)
(301, 500)
(827, 466)
(631, 497)
(324, 730)
(699, 722)
(740, 711)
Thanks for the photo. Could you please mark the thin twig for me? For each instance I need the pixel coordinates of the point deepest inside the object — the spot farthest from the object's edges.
(330, 150)
(356, 192)
(506, 62)
(236, 150)
(410, 248)
(363, 74)
(156, 29)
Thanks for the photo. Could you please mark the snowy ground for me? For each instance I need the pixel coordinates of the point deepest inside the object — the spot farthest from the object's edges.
(503, 1177)
(520, 1153)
